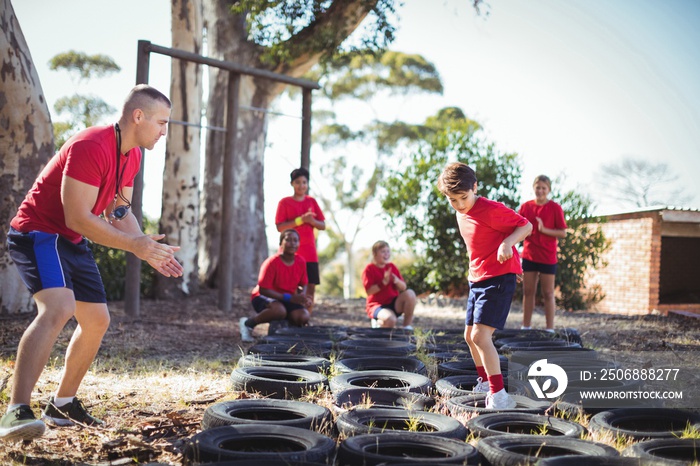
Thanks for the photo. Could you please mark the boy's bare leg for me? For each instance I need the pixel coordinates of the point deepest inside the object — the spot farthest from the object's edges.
(481, 336)
(476, 356)
(93, 322)
(311, 293)
(386, 318)
(55, 307)
(547, 286)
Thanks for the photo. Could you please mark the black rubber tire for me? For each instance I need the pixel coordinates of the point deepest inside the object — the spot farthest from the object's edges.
(526, 339)
(456, 385)
(308, 343)
(465, 367)
(388, 380)
(269, 412)
(294, 361)
(512, 450)
(666, 451)
(392, 336)
(377, 421)
(375, 345)
(283, 348)
(444, 356)
(277, 382)
(640, 423)
(327, 332)
(404, 448)
(258, 442)
(387, 333)
(378, 398)
(590, 460)
(541, 345)
(490, 424)
(476, 404)
(404, 364)
(521, 356)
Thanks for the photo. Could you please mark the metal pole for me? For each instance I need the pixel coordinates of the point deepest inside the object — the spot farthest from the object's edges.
(227, 201)
(306, 128)
(132, 281)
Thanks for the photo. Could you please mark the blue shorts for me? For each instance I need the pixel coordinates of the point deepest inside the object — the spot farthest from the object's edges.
(489, 301)
(529, 266)
(46, 260)
(260, 303)
(391, 307)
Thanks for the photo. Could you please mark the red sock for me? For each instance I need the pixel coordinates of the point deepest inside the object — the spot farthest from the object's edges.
(496, 383)
(482, 373)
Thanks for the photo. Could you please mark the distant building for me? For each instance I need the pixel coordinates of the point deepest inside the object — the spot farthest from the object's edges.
(652, 264)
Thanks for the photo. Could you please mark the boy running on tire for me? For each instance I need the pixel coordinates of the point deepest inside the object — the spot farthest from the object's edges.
(490, 231)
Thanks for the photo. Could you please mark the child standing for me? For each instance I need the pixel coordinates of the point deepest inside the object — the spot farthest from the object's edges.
(540, 250)
(302, 213)
(490, 230)
(281, 290)
(388, 297)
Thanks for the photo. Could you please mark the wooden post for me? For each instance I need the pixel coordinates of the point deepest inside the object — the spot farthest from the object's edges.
(306, 128)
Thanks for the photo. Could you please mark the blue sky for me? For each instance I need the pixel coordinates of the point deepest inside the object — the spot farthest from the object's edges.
(569, 85)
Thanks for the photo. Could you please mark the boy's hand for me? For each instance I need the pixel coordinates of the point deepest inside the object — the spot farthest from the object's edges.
(504, 253)
(518, 278)
(540, 225)
(307, 217)
(387, 277)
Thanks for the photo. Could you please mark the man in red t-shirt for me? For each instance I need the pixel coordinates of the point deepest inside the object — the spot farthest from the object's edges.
(281, 290)
(302, 213)
(92, 174)
(490, 230)
(388, 297)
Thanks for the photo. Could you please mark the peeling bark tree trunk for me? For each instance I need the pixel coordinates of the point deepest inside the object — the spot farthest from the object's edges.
(227, 39)
(26, 144)
(180, 210)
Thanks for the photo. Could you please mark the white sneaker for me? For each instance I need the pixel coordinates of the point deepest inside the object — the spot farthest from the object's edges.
(408, 327)
(500, 400)
(245, 330)
(374, 323)
(482, 386)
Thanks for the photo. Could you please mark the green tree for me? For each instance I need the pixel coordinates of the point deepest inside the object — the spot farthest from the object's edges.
(580, 250)
(81, 111)
(371, 78)
(414, 206)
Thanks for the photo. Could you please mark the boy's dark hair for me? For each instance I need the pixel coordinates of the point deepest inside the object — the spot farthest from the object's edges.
(297, 172)
(284, 233)
(457, 177)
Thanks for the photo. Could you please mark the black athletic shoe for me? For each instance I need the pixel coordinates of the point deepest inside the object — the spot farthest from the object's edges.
(70, 414)
(20, 424)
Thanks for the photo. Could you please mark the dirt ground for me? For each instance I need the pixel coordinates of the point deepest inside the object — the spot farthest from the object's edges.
(155, 375)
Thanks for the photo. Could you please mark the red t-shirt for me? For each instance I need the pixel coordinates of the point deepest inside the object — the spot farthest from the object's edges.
(280, 277)
(539, 247)
(91, 157)
(373, 275)
(484, 228)
(289, 209)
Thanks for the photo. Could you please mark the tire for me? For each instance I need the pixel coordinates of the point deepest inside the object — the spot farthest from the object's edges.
(268, 412)
(387, 380)
(377, 421)
(488, 425)
(444, 356)
(406, 364)
(465, 366)
(392, 336)
(258, 442)
(590, 460)
(642, 423)
(378, 398)
(666, 451)
(511, 450)
(283, 348)
(524, 356)
(542, 345)
(312, 343)
(327, 332)
(456, 385)
(293, 361)
(277, 382)
(374, 345)
(476, 403)
(404, 448)
(387, 333)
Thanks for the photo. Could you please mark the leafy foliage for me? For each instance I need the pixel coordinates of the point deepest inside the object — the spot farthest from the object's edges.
(112, 265)
(582, 248)
(415, 206)
(84, 66)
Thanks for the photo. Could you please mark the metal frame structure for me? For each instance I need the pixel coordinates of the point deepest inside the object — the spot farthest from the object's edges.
(132, 299)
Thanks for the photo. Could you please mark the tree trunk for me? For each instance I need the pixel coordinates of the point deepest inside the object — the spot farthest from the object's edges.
(227, 39)
(26, 144)
(349, 276)
(180, 210)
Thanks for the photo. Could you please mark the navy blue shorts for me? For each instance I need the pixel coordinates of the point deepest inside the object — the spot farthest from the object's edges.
(489, 301)
(46, 260)
(260, 303)
(529, 266)
(391, 306)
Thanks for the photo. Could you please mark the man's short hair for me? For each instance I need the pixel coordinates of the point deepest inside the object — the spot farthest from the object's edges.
(143, 96)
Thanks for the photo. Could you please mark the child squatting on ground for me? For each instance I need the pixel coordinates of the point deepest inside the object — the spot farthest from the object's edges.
(281, 290)
(490, 230)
